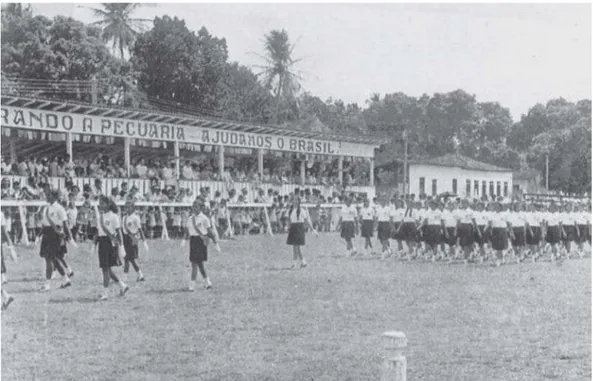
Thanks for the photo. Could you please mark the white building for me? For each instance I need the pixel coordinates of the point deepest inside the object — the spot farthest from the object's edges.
(468, 178)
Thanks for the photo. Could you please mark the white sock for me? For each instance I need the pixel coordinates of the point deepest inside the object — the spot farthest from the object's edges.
(66, 278)
(47, 283)
(140, 274)
(207, 281)
(122, 284)
(104, 292)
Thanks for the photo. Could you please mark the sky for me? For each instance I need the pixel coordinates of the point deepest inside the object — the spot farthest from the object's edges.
(515, 54)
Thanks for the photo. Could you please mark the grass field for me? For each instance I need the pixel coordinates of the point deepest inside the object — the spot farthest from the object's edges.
(264, 322)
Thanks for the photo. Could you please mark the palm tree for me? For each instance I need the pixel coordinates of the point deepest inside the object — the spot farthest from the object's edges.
(278, 73)
(118, 25)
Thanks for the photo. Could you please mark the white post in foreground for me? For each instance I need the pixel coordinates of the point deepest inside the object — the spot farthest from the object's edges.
(395, 364)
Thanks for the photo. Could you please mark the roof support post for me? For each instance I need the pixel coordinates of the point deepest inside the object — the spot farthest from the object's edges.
(372, 172)
(341, 170)
(69, 144)
(176, 154)
(260, 162)
(303, 159)
(127, 155)
(221, 161)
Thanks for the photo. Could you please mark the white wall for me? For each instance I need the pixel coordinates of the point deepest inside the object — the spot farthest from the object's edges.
(445, 175)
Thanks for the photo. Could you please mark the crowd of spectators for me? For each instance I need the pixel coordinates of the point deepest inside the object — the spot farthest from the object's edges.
(105, 166)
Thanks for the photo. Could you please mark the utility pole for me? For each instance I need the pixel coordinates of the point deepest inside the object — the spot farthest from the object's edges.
(406, 188)
(547, 173)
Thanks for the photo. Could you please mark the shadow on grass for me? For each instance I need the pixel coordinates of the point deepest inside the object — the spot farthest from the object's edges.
(287, 268)
(162, 291)
(26, 279)
(81, 300)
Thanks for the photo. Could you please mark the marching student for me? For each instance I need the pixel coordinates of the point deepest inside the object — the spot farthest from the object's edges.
(68, 237)
(499, 232)
(569, 229)
(54, 221)
(367, 219)
(132, 234)
(519, 224)
(108, 242)
(450, 232)
(199, 233)
(534, 231)
(465, 230)
(348, 223)
(385, 223)
(397, 216)
(432, 229)
(481, 231)
(6, 241)
(223, 219)
(553, 225)
(408, 230)
(584, 225)
(297, 218)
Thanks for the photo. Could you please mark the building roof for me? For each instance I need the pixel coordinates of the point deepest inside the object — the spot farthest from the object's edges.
(41, 103)
(459, 161)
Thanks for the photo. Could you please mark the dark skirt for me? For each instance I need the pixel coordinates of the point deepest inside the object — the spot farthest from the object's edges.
(553, 234)
(535, 237)
(499, 238)
(483, 237)
(296, 234)
(408, 231)
(384, 230)
(520, 239)
(198, 251)
(466, 235)
(583, 233)
(131, 247)
(394, 233)
(51, 243)
(108, 253)
(433, 234)
(366, 230)
(347, 230)
(450, 239)
(571, 233)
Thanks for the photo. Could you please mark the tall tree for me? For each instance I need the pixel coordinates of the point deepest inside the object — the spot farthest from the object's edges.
(119, 27)
(278, 73)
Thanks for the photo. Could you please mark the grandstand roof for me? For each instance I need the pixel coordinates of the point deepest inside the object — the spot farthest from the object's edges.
(175, 118)
(459, 161)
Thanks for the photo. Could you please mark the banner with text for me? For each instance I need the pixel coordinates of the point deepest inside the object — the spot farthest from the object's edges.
(53, 121)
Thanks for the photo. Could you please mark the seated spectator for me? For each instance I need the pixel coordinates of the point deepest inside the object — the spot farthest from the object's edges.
(141, 169)
(187, 172)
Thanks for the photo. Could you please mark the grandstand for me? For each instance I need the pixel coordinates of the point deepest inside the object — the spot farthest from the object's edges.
(177, 149)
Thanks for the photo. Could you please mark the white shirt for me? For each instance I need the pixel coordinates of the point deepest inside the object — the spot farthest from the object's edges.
(450, 218)
(482, 218)
(517, 219)
(397, 214)
(131, 224)
(433, 217)
(201, 222)
(533, 219)
(582, 218)
(56, 212)
(367, 213)
(111, 222)
(349, 213)
(383, 213)
(499, 220)
(72, 215)
(465, 216)
(304, 215)
(409, 215)
(567, 218)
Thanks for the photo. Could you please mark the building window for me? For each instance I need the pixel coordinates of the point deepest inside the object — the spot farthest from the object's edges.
(498, 188)
(506, 189)
(434, 187)
(421, 187)
(491, 188)
(454, 186)
(477, 187)
(484, 191)
(468, 187)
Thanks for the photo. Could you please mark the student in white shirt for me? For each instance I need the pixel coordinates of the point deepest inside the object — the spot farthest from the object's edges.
(450, 232)
(584, 226)
(54, 225)
(533, 228)
(367, 219)
(499, 229)
(553, 229)
(349, 225)
(569, 229)
(518, 223)
(432, 229)
(199, 233)
(132, 233)
(109, 239)
(6, 241)
(481, 233)
(397, 215)
(465, 230)
(298, 217)
(384, 228)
